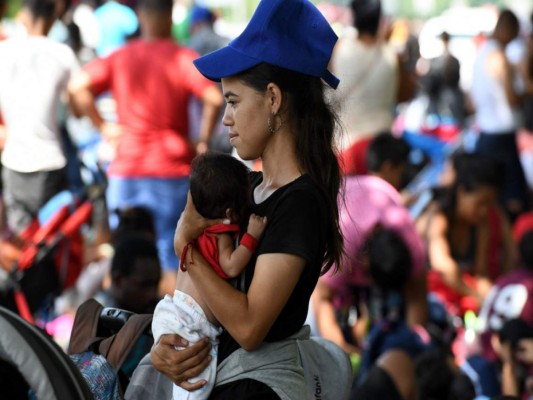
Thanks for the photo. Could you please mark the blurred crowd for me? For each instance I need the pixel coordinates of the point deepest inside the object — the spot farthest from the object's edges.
(434, 299)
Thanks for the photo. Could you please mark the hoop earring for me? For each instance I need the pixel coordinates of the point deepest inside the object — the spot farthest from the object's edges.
(271, 128)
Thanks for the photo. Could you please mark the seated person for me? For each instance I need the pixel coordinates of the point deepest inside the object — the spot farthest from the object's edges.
(439, 378)
(96, 276)
(466, 248)
(135, 276)
(370, 200)
(392, 377)
(389, 271)
(512, 344)
(512, 294)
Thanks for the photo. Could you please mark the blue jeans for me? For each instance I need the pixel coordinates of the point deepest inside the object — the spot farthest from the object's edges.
(165, 198)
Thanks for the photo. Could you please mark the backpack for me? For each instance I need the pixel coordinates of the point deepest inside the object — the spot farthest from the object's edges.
(106, 345)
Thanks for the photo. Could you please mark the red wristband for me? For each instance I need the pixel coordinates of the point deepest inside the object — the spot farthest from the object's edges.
(249, 242)
(183, 255)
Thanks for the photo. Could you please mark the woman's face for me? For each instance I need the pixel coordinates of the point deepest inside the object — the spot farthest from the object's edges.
(474, 206)
(246, 116)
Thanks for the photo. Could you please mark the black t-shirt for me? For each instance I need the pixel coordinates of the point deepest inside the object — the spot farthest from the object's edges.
(297, 221)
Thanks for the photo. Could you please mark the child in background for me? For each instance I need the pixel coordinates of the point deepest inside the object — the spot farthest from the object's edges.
(219, 187)
(389, 330)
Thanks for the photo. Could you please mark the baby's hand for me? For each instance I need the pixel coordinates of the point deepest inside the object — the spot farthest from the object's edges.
(256, 225)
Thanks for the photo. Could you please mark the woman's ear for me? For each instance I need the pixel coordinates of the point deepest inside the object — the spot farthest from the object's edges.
(275, 97)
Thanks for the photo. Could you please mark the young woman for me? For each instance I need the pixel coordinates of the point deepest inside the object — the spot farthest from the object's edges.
(276, 110)
(467, 238)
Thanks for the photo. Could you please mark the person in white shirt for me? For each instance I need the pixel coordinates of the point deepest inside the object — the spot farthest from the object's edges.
(34, 74)
(498, 108)
(368, 71)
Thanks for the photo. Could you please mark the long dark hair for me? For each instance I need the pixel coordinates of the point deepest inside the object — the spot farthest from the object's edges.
(472, 172)
(316, 122)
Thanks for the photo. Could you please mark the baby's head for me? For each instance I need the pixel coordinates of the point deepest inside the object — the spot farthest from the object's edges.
(220, 186)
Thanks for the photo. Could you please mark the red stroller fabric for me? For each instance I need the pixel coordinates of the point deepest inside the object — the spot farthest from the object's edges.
(58, 243)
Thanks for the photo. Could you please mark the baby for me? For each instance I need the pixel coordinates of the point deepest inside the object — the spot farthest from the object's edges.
(220, 188)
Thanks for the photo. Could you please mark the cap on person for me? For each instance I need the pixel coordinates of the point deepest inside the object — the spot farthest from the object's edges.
(291, 34)
(201, 14)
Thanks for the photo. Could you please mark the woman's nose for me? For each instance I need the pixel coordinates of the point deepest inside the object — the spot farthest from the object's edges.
(226, 119)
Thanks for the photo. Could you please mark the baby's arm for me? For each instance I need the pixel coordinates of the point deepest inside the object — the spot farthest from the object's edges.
(233, 261)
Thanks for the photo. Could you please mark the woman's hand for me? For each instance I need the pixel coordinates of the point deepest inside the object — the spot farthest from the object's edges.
(181, 365)
(191, 225)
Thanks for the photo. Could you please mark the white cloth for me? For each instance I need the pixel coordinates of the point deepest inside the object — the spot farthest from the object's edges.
(299, 367)
(182, 315)
(34, 74)
(494, 114)
(368, 87)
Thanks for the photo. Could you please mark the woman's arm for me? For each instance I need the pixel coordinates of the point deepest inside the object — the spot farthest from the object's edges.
(480, 269)
(500, 68)
(510, 256)
(247, 316)
(191, 225)
(326, 319)
(212, 101)
(440, 256)
(415, 294)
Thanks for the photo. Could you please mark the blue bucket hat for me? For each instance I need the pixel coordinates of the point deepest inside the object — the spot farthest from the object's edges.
(291, 34)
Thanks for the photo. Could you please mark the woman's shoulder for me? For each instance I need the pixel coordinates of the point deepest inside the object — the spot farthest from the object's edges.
(431, 220)
(303, 186)
(300, 196)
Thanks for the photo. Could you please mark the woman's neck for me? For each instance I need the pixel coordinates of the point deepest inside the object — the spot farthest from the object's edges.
(279, 165)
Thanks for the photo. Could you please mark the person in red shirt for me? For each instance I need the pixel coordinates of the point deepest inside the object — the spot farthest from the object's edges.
(151, 80)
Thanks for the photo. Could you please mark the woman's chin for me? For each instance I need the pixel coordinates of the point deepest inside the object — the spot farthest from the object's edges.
(245, 156)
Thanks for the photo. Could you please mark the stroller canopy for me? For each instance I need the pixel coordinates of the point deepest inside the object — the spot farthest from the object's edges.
(45, 367)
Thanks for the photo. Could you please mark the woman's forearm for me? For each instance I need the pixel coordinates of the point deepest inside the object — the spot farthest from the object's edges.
(247, 316)
(329, 327)
(443, 263)
(229, 306)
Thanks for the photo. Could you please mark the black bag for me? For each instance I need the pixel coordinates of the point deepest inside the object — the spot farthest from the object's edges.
(120, 336)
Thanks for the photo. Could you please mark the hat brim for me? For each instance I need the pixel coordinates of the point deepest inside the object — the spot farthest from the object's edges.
(223, 63)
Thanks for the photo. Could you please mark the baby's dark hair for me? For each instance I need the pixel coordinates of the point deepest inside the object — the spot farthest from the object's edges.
(219, 181)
